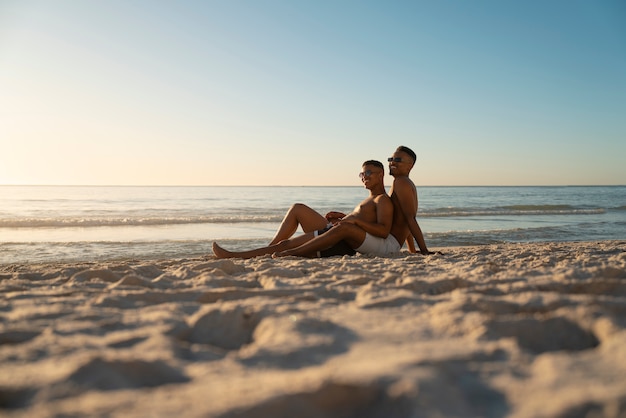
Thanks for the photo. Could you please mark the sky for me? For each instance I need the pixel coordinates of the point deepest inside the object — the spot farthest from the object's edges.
(282, 92)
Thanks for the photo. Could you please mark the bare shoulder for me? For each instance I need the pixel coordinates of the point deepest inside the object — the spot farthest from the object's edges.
(382, 198)
(403, 184)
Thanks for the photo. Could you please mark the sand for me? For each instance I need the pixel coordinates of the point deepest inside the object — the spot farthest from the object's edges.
(519, 330)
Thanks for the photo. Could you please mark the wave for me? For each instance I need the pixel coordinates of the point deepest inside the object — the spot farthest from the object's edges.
(538, 207)
(265, 217)
(514, 210)
(82, 222)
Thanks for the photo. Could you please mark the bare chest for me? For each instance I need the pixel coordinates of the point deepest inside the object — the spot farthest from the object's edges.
(366, 209)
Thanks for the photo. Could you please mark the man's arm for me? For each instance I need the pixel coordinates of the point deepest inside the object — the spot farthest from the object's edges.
(410, 243)
(384, 218)
(416, 231)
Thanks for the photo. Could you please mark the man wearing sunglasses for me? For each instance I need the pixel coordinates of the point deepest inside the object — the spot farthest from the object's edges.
(365, 229)
(404, 227)
(404, 197)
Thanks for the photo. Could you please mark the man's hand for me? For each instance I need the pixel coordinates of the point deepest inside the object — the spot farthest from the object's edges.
(334, 217)
(428, 252)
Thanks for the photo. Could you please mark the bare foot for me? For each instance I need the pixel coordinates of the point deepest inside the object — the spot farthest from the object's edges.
(279, 254)
(220, 252)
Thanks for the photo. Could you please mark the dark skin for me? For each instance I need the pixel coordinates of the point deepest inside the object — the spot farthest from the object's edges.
(404, 197)
(372, 215)
(352, 229)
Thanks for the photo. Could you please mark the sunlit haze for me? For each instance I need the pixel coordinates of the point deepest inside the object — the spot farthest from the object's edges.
(302, 92)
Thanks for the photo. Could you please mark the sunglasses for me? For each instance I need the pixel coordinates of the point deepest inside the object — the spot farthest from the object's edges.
(395, 159)
(365, 173)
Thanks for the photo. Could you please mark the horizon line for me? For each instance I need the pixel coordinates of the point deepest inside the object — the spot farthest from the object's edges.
(309, 185)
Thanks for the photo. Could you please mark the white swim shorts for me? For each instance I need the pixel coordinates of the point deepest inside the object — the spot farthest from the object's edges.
(379, 246)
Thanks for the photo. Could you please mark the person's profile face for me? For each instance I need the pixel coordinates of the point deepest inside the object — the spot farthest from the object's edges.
(399, 162)
(370, 175)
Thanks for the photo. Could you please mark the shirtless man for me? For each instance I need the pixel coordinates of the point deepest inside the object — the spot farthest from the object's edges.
(336, 233)
(404, 198)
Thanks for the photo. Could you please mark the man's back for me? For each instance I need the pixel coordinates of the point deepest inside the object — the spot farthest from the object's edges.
(404, 198)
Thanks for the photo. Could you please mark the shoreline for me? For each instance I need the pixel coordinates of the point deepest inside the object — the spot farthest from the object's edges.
(515, 329)
(86, 262)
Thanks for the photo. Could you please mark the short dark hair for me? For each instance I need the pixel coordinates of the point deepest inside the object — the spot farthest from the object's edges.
(407, 150)
(374, 163)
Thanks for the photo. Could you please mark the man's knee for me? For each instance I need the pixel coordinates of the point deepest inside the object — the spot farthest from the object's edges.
(298, 207)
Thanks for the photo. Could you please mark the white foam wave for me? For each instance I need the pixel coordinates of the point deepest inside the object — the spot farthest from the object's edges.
(83, 222)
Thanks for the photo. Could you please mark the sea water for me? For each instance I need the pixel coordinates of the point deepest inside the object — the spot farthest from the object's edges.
(56, 223)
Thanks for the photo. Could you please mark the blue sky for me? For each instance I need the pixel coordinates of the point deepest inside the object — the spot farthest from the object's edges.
(301, 93)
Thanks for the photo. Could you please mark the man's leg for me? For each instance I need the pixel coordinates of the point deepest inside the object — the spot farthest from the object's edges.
(298, 214)
(271, 249)
(350, 233)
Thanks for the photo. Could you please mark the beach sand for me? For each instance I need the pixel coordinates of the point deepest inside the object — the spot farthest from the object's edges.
(519, 330)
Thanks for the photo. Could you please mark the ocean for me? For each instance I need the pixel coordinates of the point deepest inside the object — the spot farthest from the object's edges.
(40, 224)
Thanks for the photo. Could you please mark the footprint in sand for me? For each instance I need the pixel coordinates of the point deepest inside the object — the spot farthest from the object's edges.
(105, 374)
(13, 398)
(17, 336)
(542, 335)
(333, 400)
(111, 374)
(295, 341)
(226, 327)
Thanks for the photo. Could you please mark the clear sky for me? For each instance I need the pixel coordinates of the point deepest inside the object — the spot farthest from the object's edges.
(283, 92)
